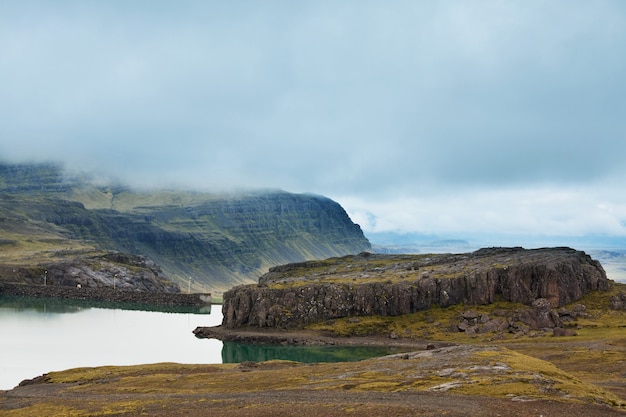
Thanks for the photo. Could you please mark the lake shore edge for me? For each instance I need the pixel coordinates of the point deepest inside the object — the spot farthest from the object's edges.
(302, 337)
(105, 294)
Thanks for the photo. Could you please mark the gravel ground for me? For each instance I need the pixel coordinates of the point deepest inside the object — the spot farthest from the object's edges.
(316, 403)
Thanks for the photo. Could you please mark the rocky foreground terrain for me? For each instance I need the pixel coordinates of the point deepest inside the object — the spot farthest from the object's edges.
(519, 333)
(118, 271)
(460, 380)
(108, 277)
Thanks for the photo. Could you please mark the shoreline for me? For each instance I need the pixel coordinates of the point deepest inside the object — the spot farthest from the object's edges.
(307, 338)
(105, 294)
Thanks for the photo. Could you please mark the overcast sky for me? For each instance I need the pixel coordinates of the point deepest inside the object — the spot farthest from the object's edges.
(435, 117)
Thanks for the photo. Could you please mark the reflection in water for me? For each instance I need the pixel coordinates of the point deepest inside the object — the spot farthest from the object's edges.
(239, 352)
(42, 335)
(38, 335)
(54, 305)
(41, 305)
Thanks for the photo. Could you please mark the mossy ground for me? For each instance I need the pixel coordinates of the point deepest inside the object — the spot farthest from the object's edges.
(471, 371)
(367, 268)
(596, 354)
(439, 323)
(351, 269)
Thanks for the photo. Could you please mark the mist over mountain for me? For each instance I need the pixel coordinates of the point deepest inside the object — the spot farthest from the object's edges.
(202, 241)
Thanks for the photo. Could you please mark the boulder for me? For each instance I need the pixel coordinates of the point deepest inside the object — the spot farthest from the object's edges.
(542, 316)
(618, 302)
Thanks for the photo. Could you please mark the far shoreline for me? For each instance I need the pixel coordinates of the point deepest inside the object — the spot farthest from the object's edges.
(303, 337)
(105, 294)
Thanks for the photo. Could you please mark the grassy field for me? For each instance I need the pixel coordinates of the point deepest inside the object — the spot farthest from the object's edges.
(174, 389)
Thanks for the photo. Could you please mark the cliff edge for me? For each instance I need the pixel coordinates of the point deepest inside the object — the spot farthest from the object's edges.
(294, 295)
(202, 241)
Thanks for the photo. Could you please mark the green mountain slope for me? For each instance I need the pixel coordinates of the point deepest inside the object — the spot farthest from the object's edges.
(206, 241)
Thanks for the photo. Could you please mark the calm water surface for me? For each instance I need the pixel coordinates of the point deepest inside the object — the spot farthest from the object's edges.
(39, 336)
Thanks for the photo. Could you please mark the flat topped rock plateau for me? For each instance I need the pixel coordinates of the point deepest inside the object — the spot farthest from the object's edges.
(295, 295)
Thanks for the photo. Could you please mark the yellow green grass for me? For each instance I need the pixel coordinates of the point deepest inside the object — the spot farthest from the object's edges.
(477, 371)
(436, 322)
(376, 268)
(40, 248)
(595, 355)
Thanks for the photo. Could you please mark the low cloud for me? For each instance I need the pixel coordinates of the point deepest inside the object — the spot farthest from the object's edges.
(545, 211)
(429, 117)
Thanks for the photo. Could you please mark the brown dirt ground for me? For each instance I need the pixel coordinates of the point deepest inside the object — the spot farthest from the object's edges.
(292, 402)
(311, 403)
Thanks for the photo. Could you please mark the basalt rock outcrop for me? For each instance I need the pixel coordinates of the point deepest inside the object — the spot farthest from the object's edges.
(539, 316)
(618, 301)
(293, 295)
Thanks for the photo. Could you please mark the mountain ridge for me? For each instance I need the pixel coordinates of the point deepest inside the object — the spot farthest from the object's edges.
(202, 241)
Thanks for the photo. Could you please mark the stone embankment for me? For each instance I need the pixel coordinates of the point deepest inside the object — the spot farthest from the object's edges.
(105, 294)
(294, 295)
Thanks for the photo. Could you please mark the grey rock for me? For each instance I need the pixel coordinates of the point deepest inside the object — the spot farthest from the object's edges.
(556, 276)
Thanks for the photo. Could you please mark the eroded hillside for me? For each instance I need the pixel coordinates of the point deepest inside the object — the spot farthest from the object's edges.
(201, 241)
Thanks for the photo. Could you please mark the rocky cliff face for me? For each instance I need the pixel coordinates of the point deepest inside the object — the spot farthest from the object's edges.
(294, 295)
(236, 239)
(211, 241)
(27, 178)
(111, 270)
